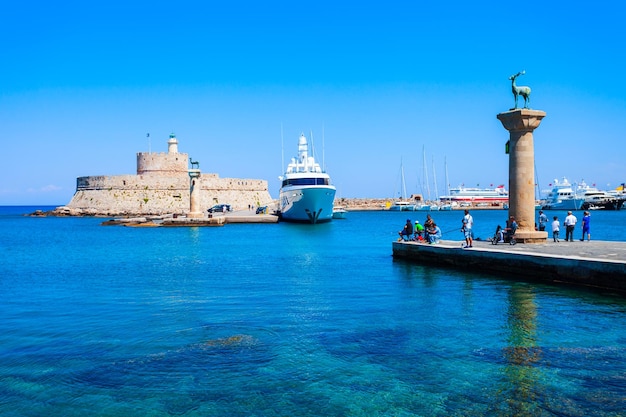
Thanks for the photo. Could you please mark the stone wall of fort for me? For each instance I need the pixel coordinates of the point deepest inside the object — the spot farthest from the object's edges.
(153, 194)
(150, 163)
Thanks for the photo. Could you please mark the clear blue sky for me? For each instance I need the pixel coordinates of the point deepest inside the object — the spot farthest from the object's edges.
(82, 83)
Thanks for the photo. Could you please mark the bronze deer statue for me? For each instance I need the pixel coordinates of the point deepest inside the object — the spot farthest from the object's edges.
(520, 91)
(194, 164)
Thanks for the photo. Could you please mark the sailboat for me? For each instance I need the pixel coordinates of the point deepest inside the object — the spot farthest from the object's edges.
(402, 204)
(425, 205)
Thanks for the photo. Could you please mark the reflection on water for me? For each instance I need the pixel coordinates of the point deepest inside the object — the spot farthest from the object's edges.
(522, 378)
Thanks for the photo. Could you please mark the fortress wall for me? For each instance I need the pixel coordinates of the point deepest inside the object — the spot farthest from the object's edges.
(238, 192)
(151, 163)
(162, 194)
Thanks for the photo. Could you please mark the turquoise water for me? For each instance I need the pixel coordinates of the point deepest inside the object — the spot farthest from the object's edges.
(292, 320)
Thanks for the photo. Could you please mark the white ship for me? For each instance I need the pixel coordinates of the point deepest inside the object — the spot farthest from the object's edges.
(306, 194)
(478, 195)
(563, 197)
(595, 199)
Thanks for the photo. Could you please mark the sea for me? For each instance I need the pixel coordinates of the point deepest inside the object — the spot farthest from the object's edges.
(293, 320)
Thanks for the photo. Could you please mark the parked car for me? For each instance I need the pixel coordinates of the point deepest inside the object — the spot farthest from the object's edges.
(219, 208)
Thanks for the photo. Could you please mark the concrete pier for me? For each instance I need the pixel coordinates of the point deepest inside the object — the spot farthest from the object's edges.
(595, 264)
(218, 219)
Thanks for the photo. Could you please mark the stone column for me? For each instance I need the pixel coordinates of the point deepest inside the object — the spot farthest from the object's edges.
(194, 195)
(520, 123)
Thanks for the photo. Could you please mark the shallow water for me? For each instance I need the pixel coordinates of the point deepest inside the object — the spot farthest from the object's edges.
(283, 320)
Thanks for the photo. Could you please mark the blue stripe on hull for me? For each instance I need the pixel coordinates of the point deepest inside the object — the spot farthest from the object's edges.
(307, 204)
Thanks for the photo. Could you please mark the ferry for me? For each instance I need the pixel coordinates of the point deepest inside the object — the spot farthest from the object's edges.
(477, 195)
(306, 193)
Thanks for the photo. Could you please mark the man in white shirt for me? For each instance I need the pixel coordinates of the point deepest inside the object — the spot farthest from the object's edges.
(570, 224)
(468, 221)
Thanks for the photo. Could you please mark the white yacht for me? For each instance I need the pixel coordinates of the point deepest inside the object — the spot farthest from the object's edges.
(339, 212)
(306, 194)
(563, 197)
(595, 199)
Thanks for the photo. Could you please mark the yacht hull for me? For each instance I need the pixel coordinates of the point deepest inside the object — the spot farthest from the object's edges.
(307, 204)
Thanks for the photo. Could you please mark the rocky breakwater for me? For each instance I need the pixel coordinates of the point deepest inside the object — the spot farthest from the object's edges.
(363, 204)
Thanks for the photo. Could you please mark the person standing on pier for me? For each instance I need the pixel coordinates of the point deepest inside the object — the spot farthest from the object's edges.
(570, 224)
(543, 219)
(468, 222)
(586, 230)
(556, 227)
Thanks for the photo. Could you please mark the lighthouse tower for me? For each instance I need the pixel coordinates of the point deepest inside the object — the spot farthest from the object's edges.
(172, 144)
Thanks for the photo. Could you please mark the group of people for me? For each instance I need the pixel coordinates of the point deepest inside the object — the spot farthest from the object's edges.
(570, 225)
(428, 232)
(431, 233)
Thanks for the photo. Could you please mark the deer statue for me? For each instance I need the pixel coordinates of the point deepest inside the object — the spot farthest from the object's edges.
(194, 164)
(520, 91)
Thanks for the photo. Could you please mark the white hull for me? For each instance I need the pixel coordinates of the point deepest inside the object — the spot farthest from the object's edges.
(310, 204)
(477, 195)
(569, 204)
(402, 206)
(339, 213)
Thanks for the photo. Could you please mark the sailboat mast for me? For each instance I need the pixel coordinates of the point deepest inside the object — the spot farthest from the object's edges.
(435, 180)
(445, 163)
(426, 173)
(403, 183)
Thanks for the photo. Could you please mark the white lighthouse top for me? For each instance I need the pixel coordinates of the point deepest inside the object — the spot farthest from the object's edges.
(172, 144)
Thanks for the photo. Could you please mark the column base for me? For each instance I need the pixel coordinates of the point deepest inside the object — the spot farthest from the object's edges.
(531, 236)
(195, 215)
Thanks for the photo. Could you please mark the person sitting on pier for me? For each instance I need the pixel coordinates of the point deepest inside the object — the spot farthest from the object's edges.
(407, 231)
(499, 235)
(511, 227)
(418, 231)
(433, 233)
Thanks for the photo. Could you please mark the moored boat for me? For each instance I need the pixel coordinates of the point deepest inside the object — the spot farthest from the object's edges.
(563, 196)
(306, 194)
(339, 212)
(477, 195)
(595, 199)
(402, 205)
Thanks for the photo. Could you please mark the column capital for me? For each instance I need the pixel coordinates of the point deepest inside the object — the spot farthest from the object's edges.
(521, 120)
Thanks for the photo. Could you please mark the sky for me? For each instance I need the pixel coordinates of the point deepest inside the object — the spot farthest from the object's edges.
(380, 87)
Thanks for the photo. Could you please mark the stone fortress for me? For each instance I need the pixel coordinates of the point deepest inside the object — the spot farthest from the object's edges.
(162, 186)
